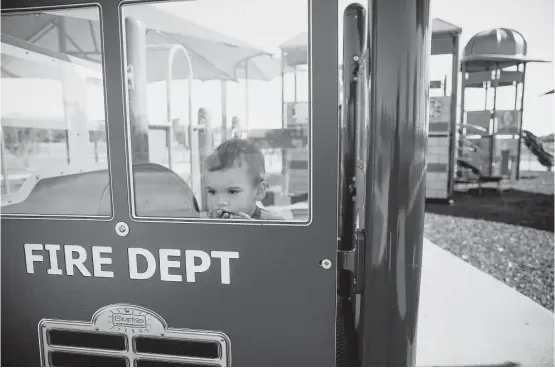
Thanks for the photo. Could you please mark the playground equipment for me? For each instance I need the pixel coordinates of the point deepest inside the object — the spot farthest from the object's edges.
(442, 140)
(441, 156)
(535, 146)
(492, 60)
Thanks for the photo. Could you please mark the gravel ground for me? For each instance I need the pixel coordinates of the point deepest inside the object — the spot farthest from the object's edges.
(510, 237)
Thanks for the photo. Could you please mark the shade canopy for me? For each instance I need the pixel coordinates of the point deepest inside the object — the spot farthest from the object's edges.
(76, 33)
(295, 50)
(496, 48)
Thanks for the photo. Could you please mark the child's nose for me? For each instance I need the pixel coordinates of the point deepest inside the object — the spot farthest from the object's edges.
(222, 202)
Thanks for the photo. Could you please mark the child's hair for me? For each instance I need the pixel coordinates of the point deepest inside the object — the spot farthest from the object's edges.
(236, 153)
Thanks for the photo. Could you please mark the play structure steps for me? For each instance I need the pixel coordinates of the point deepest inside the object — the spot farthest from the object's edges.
(480, 178)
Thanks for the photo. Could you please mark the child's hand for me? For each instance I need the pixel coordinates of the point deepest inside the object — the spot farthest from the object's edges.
(240, 215)
(229, 215)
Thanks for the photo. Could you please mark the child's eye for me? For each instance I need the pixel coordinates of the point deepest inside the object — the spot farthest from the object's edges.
(233, 191)
(211, 191)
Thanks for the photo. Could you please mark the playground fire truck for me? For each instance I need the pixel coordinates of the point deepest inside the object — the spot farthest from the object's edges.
(107, 259)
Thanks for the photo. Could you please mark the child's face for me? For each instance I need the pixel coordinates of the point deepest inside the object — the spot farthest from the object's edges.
(233, 190)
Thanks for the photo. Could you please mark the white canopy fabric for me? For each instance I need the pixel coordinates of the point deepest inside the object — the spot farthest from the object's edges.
(214, 55)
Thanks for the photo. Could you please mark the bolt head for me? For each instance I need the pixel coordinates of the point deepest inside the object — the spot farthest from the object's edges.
(122, 229)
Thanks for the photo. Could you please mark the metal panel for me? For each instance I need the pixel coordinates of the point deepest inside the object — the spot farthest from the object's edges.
(437, 167)
(440, 109)
(508, 121)
(438, 128)
(478, 122)
(511, 76)
(478, 77)
(442, 46)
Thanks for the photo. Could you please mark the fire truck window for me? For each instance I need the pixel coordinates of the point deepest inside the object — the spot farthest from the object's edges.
(54, 156)
(219, 99)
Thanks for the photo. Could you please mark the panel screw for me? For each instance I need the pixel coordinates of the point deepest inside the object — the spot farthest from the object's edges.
(122, 229)
(326, 264)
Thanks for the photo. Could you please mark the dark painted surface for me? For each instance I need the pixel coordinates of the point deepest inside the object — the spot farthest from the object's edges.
(350, 189)
(400, 45)
(280, 306)
(353, 43)
(353, 33)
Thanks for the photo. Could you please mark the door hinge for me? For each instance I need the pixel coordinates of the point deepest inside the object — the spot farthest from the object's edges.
(346, 259)
(353, 260)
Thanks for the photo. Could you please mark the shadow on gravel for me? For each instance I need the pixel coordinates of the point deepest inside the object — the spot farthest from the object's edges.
(514, 207)
(504, 364)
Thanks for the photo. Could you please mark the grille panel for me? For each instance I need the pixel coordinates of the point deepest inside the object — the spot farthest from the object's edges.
(197, 349)
(160, 363)
(122, 334)
(63, 359)
(92, 340)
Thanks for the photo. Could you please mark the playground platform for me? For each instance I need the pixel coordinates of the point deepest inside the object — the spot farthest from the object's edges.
(467, 317)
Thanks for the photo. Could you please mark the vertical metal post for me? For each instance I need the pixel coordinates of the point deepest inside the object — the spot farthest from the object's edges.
(173, 50)
(194, 145)
(75, 107)
(5, 178)
(205, 146)
(520, 122)
(514, 165)
(247, 94)
(353, 42)
(223, 88)
(351, 283)
(486, 99)
(453, 114)
(60, 24)
(462, 126)
(136, 59)
(283, 110)
(516, 83)
(295, 85)
(396, 181)
(283, 115)
(169, 106)
(96, 150)
(494, 125)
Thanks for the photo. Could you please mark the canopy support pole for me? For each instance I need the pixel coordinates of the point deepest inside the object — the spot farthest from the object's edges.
(223, 87)
(494, 125)
(5, 178)
(520, 122)
(193, 130)
(247, 95)
(137, 82)
(74, 89)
